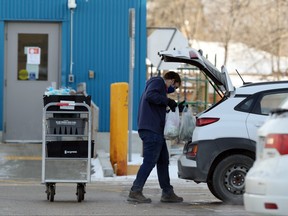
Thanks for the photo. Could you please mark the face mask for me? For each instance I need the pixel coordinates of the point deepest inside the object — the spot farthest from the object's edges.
(170, 89)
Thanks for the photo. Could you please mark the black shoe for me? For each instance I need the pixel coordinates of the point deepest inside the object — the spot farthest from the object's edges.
(137, 196)
(171, 198)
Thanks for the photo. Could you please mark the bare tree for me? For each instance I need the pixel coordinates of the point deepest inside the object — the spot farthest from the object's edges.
(225, 20)
(262, 24)
(185, 15)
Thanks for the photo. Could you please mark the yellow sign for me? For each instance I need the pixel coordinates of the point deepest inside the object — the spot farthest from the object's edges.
(23, 74)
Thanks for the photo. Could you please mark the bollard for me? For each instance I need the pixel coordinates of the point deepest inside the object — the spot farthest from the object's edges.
(119, 127)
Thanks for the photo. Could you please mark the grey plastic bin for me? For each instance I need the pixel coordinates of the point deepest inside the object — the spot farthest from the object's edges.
(70, 126)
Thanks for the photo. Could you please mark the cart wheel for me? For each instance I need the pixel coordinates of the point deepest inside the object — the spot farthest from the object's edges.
(80, 192)
(84, 190)
(51, 193)
(47, 191)
(48, 195)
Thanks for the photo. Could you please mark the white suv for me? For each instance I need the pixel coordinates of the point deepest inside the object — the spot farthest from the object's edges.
(222, 149)
(266, 182)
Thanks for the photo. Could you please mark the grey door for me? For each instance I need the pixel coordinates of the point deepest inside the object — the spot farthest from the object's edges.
(32, 63)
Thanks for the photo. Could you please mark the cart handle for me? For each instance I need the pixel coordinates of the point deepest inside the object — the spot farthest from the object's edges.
(65, 104)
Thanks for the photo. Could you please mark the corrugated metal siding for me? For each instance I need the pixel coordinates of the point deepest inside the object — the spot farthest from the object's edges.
(107, 36)
(33, 9)
(101, 43)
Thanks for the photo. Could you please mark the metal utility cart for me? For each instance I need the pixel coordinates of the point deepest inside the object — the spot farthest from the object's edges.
(67, 147)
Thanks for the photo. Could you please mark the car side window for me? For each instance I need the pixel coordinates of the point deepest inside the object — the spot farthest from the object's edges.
(262, 103)
(271, 101)
(245, 106)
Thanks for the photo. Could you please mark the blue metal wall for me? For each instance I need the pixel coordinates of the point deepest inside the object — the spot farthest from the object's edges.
(100, 43)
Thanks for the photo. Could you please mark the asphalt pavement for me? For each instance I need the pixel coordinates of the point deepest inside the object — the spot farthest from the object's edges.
(23, 194)
(20, 162)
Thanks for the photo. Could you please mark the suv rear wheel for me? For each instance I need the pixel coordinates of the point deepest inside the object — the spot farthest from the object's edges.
(229, 178)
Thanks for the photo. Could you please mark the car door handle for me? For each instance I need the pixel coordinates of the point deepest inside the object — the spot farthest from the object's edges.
(258, 124)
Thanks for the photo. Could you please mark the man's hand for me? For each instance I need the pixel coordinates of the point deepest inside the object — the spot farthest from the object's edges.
(172, 104)
(181, 106)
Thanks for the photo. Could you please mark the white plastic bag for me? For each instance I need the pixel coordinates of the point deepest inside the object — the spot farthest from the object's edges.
(172, 123)
(187, 125)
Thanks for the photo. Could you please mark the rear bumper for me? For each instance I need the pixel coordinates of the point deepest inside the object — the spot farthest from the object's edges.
(187, 169)
(266, 183)
(256, 203)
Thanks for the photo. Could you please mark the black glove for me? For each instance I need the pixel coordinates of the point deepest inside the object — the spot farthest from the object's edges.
(181, 106)
(172, 104)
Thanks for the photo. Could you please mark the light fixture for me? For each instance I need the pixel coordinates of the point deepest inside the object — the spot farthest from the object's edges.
(72, 4)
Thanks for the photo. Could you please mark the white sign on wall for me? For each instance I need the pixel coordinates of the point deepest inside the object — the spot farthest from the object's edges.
(33, 55)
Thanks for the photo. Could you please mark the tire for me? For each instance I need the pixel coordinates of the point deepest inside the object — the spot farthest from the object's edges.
(80, 192)
(212, 190)
(229, 178)
(51, 192)
(47, 192)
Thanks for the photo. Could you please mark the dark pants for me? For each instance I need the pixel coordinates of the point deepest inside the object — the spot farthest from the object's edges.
(155, 152)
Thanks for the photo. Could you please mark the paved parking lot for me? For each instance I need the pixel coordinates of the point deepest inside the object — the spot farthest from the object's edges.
(23, 194)
(108, 198)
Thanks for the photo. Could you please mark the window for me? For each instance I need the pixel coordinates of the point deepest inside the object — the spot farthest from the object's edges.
(32, 57)
(271, 101)
(262, 103)
(245, 106)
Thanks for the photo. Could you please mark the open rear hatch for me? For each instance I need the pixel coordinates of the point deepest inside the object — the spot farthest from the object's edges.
(221, 80)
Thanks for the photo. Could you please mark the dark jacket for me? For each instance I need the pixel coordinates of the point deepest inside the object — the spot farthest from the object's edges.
(152, 107)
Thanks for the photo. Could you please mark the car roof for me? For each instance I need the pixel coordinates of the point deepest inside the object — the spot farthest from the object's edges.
(252, 88)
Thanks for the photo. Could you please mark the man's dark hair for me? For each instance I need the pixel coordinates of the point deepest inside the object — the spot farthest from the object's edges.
(173, 75)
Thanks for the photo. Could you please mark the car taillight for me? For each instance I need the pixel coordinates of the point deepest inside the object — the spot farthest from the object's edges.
(205, 121)
(278, 142)
(270, 206)
(192, 151)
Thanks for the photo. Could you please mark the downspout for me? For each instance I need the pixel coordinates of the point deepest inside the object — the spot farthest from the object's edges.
(71, 42)
(71, 5)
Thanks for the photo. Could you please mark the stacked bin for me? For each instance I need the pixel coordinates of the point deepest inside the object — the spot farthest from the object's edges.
(67, 147)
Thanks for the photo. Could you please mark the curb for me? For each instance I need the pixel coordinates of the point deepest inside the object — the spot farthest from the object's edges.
(105, 163)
